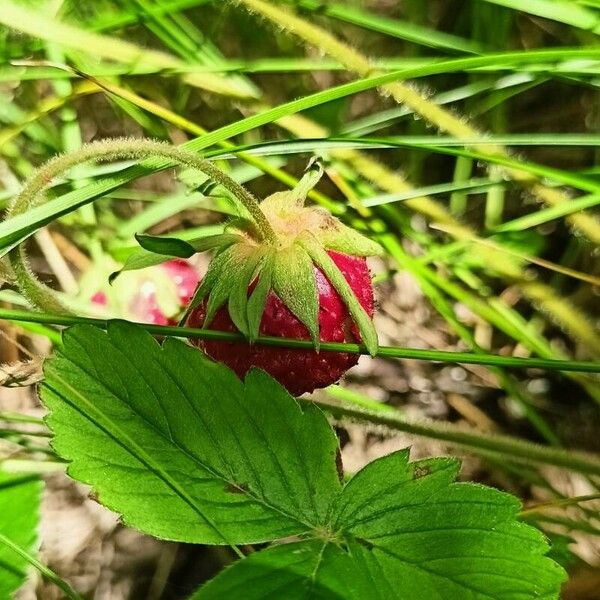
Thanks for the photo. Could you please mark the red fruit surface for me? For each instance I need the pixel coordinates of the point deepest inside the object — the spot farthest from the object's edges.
(299, 371)
(143, 305)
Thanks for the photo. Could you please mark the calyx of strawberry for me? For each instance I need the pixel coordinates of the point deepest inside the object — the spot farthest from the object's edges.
(279, 252)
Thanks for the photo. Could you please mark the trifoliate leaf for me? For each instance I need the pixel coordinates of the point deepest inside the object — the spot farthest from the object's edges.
(348, 241)
(258, 298)
(186, 451)
(342, 287)
(295, 283)
(180, 446)
(404, 530)
(19, 517)
(238, 298)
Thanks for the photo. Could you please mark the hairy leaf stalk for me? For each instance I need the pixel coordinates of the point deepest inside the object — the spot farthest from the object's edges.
(32, 195)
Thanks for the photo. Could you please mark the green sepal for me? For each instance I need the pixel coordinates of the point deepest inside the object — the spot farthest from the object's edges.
(295, 283)
(238, 298)
(256, 303)
(233, 264)
(294, 198)
(338, 281)
(208, 281)
(341, 238)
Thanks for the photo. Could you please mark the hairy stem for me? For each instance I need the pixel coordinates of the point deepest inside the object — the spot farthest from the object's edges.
(508, 447)
(32, 195)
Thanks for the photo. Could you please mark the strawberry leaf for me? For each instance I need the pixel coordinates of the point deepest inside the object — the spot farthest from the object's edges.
(19, 517)
(180, 446)
(185, 451)
(295, 283)
(404, 530)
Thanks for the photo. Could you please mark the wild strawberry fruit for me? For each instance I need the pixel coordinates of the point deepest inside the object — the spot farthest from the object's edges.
(156, 295)
(289, 271)
(298, 370)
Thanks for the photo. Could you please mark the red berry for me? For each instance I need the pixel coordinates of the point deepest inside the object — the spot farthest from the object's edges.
(298, 370)
(140, 297)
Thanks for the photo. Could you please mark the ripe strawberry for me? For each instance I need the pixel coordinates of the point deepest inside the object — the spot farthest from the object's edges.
(286, 270)
(156, 295)
(299, 371)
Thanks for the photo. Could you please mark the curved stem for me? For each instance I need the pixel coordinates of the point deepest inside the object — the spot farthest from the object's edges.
(40, 295)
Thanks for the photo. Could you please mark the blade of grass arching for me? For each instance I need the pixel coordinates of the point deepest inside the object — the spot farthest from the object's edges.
(404, 30)
(292, 146)
(545, 215)
(404, 94)
(446, 311)
(185, 40)
(562, 11)
(425, 141)
(42, 26)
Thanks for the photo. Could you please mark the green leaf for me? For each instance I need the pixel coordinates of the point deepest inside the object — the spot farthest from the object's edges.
(295, 283)
(19, 517)
(256, 303)
(164, 247)
(404, 530)
(338, 281)
(180, 446)
(186, 451)
(167, 246)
